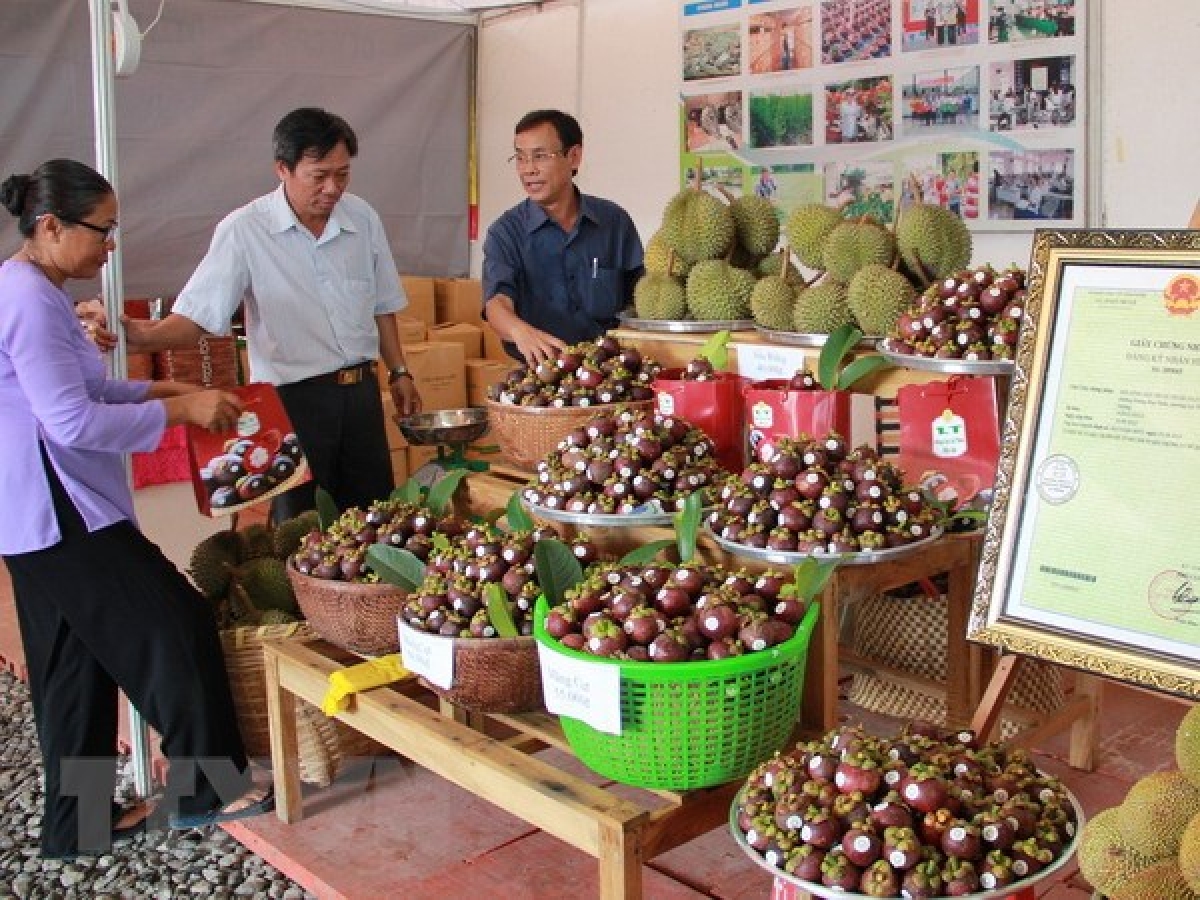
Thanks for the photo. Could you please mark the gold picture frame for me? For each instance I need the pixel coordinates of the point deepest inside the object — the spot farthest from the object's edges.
(1091, 557)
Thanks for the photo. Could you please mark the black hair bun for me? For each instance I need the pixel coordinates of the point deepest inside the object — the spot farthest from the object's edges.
(14, 191)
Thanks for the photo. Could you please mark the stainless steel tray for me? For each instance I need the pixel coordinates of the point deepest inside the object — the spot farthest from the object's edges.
(861, 558)
(807, 339)
(827, 893)
(599, 520)
(445, 426)
(947, 366)
(684, 326)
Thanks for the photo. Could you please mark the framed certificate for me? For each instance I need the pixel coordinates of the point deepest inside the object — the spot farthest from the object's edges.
(1092, 553)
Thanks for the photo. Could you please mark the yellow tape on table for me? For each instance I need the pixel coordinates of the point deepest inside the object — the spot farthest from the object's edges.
(361, 677)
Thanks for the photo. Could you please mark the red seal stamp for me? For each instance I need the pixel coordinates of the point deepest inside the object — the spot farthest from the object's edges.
(1182, 294)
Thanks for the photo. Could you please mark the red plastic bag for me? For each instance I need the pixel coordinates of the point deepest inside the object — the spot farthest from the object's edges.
(714, 406)
(774, 410)
(260, 458)
(950, 435)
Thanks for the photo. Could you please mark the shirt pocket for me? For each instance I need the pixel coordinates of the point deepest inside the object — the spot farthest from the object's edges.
(603, 293)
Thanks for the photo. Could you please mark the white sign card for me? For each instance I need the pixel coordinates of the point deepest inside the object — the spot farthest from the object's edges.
(583, 690)
(760, 362)
(428, 655)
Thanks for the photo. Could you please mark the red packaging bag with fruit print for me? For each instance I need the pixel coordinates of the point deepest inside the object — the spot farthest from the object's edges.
(713, 405)
(775, 409)
(950, 436)
(259, 458)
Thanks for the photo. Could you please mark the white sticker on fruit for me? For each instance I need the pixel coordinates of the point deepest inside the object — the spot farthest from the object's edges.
(949, 435)
(666, 404)
(429, 655)
(581, 689)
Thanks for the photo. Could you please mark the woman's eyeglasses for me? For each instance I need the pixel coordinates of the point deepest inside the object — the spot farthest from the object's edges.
(106, 232)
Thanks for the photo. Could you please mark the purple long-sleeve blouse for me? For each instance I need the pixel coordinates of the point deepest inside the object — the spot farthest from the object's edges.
(54, 389)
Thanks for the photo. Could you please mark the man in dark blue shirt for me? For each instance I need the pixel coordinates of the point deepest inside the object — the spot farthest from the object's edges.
(560, 265)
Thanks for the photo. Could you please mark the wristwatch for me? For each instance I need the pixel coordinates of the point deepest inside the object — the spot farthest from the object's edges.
(398, 372)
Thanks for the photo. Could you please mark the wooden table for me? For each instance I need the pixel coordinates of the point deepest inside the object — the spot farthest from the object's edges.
(621, 834)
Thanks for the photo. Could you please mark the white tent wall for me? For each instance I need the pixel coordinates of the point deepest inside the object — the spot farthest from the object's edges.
(194, 122)
(615, 64)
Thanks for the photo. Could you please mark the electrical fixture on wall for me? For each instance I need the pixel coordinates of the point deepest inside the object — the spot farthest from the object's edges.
(127, 38)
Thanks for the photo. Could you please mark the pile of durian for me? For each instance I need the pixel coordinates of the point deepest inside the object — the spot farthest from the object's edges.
(1148, 848)
(243, 572)
(723, 258)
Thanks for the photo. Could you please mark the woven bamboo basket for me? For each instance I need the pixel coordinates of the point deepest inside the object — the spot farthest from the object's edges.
(354, 616)
(324, 743)
(496, 675)
(527, 433)
(213, 363)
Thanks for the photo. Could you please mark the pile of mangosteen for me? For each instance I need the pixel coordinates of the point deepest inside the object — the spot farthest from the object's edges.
(815, 496)
(972, 315)
(625, 461)
(668, 613)
(928, 813)
(584, 374)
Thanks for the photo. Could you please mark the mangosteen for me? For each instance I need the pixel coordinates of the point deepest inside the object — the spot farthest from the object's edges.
(769, 584)
(250, 487)
(811, 484)
(996, 871)
(858, 773)
(960, 878)
(805, 862)
(643, 624)
(861, 845)
(669, 646)
(821, 829)
(226, 470)
(838, 873)
(225, 496)
(560, 621)
(880, 880)
(922, 881)
(718, 621)
(803, 380)
(962, 839)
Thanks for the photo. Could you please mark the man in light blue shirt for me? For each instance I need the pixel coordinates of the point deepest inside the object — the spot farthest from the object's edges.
(312, 267)
(560, 265)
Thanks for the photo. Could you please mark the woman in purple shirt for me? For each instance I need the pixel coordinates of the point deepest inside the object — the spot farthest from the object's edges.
(99, 606)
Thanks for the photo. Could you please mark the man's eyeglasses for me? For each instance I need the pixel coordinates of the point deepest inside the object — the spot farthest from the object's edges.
(535, 159)
(107, 232)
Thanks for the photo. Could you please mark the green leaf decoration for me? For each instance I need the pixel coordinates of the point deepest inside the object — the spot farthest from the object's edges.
(557, 569)
(327, 510)
(409, 492)
(516, 514)
(716, 350)
(860, 369)
(837, 345)
(687, 525)
(443, 490)
(396, 566)
(440, 542)
(495, 600)
(645, 554)
(810, 577)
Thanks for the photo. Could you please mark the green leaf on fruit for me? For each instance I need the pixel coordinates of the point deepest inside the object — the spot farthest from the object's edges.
(396, 566)
(556, 568)
(495, 601)
(443, 490)
(716, 350)
(516, 514)
(327, 511)
(409, 492)
(645, 554)
(809, 578)
(836, 346)
(441, 543)
(687, 526)
(860, 369)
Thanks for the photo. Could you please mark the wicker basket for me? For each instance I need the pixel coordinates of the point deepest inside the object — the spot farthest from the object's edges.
(324, 743)
(213, 363)
(357, 617)
(527, 433)
(497, 675)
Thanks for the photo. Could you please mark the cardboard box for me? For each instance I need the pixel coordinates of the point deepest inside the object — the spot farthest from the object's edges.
(470, 336)
(395, 440)
(418, 456)
(439, 370)
(482, 374)
(493, 347)
(400, 466)
(410, 330)
(421, 304)
(458, 300)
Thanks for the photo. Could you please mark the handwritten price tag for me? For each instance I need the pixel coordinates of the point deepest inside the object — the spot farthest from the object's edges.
(589, 692)
(759, 362)
(428, 655)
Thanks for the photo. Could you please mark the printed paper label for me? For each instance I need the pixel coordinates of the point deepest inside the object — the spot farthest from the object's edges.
(586, 691)
(428, 655)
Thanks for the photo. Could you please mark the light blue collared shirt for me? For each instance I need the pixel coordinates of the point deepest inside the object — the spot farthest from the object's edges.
(310, 302)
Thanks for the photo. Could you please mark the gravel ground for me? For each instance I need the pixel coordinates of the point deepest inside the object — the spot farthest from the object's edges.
(164, 866)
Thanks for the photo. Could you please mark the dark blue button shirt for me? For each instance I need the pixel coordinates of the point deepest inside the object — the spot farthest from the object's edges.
(569, 285)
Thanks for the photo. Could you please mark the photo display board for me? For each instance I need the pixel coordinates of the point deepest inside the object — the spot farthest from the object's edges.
(974, 105)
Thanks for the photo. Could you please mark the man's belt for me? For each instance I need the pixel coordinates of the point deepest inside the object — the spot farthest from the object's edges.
(349, 375)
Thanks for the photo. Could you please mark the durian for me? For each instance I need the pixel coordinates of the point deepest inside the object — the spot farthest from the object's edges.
(932, 241)
(807, 228)
(1105, 858)
(1161, 881)
(288, 535)
(773, 265)
(255, 542)
(1155, 812)
(659, 259)
(276, 617)
(716, 291)
(1189, 853)
(212, 561)
(773, 303)
(697, 226)
(877, 296)
(265, 583)
(1187, 745)
(822, 308)
(852, 245)
(658, 296)
(757, 224)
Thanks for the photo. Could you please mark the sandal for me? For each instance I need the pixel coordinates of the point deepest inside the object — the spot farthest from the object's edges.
(140, 825)
(223, 814)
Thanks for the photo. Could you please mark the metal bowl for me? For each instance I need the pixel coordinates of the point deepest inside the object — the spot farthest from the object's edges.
(445, 426)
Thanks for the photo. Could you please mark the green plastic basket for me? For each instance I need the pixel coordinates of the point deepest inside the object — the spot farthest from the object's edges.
(692, 725)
